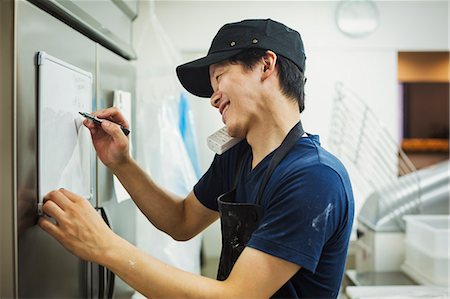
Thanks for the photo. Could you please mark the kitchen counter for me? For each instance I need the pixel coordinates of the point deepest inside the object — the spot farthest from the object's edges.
(386, 285)
(377, 278)
(385, 292)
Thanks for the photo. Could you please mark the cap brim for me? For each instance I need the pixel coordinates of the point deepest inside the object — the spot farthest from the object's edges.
(194, 75)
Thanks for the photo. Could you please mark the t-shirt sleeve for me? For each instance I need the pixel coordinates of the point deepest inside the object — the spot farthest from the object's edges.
(301, 214)
(210, 185)
(219, 178)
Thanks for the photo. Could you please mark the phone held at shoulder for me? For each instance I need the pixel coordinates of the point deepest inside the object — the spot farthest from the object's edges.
(219, 142)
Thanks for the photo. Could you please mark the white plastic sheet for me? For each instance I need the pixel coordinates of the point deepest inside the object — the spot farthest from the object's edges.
(170, 168)
(160, 148)
(122, 100)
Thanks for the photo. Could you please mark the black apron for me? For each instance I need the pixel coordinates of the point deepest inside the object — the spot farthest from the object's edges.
(239, 220)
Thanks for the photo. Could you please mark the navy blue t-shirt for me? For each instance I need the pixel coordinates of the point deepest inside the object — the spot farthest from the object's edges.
(307, 211)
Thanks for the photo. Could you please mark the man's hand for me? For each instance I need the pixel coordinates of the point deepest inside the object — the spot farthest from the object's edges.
(110, 142)
(79, 228)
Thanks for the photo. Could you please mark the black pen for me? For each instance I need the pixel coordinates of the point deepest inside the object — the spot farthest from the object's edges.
(98, 121)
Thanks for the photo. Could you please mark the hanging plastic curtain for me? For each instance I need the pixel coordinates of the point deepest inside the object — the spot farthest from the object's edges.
(160, 147)
(188, 132)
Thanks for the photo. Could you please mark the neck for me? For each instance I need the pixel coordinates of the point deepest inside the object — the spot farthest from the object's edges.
(269, 133)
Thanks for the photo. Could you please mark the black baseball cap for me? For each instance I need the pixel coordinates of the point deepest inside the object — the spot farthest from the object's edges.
(234, 38)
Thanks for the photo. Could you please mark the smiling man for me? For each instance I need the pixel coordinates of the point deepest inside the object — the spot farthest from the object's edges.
(285, 203)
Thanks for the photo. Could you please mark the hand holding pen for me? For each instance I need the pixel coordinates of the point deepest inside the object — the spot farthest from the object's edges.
(108, 129)
(98, 121)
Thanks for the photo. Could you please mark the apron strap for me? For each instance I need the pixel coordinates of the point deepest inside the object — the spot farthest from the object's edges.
(288, 143)
(241, 157)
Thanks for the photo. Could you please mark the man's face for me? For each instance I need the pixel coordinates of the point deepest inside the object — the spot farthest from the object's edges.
(236, 96)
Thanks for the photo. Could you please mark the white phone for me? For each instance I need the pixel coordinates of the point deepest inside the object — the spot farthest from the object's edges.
(219, 142)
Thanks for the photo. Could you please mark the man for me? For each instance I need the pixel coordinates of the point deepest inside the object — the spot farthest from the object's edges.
(286, 205)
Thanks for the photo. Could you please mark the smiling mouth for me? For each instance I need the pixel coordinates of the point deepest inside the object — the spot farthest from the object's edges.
(223, 106)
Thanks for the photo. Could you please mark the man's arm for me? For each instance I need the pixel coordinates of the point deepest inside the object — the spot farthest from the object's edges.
(81, 230)
(180, 218)
(255, 275)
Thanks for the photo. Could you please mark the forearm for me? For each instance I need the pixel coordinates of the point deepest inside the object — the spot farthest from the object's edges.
(155, 279)
(163, 209)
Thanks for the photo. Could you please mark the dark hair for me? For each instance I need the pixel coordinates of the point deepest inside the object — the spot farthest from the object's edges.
(292, 79)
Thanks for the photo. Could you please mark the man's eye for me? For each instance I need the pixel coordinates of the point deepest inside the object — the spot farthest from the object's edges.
(217, 77)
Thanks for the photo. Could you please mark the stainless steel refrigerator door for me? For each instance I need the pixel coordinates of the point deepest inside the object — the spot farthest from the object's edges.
(108, 22)
(45, 268)
(8, 258)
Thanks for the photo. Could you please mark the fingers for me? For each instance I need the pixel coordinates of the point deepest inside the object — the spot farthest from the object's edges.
(113, 114)
(51, 209)
(58, 197)
(49, 227)
(113, 130)
(90, 125)
(57, 202)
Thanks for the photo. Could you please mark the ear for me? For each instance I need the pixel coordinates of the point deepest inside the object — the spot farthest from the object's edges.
(268, 64)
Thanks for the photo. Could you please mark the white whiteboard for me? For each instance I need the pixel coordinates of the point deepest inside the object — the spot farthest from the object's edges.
(64, 144)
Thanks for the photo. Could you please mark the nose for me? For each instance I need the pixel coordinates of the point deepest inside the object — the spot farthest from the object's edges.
(215, 99)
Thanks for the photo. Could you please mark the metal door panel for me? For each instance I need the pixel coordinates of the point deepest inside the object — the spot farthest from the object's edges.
(8, 258)
(110, 16)
(84, 21)
(46, 269)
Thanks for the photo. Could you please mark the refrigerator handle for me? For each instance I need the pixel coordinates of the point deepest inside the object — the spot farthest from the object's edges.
(101, 281)
(110, 276)
(110, 283)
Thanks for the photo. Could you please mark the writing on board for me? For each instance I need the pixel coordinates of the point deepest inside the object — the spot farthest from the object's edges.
(65, 151)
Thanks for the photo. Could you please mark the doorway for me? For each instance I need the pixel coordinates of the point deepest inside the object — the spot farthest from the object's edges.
(424, 82)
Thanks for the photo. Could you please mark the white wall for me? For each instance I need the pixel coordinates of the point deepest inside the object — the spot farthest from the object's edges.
(367, 65)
